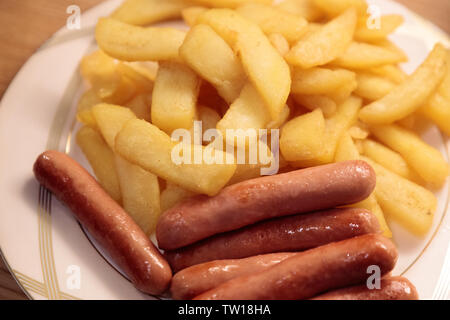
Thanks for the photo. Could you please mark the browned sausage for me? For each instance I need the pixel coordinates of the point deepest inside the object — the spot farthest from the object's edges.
(247, 202)
(395, 288)
(108, 223)
(332, 266)
(197, 279)
(293, 233)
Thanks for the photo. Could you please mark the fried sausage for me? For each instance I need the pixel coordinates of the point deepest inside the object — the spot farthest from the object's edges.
(248, 202)
(108, 223)
(309, 273)
(197, 279)
(292, 233)
(392, 288)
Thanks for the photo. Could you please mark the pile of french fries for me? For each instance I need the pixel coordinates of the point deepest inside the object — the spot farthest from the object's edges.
(315, 69)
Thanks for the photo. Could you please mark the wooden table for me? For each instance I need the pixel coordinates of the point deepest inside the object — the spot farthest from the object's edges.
(26, 24)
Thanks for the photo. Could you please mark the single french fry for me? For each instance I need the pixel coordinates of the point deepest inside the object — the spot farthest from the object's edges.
(144, 12)
(132, 43)
(101, 159)
(404, 201)
(140, 194)
(410, 95)
(372, 87)
(437, 110)
(359, 55)
(174, 97)
(437, 107)
(423, 158)
(316, 81)
(145, 145)
(326, 44)
(273, 81)
(212, 58)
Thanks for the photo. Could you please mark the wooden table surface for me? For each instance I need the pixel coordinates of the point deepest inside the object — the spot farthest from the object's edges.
(26, 24)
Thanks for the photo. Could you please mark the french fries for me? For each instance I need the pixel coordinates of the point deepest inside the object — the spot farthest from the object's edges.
(211, 57)
(254, 49)
(404, 201)
(144, 12)
(131, 43)
(174, 97)
(423, 158)
(144, 144)
(101, 159)
(317, 69)
(410, 95)
(326, 44)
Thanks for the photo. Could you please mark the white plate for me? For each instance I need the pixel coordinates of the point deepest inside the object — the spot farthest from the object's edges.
(42, 243)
